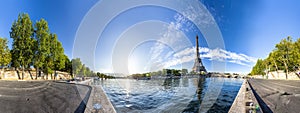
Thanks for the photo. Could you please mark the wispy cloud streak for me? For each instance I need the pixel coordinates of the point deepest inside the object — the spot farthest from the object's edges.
(188, 55)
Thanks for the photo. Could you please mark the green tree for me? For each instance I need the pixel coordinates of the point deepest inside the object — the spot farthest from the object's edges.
(259, 68)
(42, 35)
(76, 66)
(184, 71)
(57, 54)
(5, 56)
(83, 70)
(285, 56)
(283, 50)
(48, 65)
(88, 72)
(23, 42)
(164, 72)
(175, 72)
(295, 54)
(272, 61)
(68, 65)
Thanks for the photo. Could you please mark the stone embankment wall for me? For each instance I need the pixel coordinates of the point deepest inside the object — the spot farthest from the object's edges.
(12, 75)
(245, 101)
(279, 75)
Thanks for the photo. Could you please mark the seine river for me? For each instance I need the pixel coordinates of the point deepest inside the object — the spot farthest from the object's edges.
(172, 95)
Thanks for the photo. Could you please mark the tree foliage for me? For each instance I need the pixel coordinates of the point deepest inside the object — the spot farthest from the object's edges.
(79, 68)
(101, 75)
(57, 54)
(5, 56)
(259, 68)
(285, 56)
(76, 66)
(23, 42)
(68, 65)
(35, 46)
(42, 34)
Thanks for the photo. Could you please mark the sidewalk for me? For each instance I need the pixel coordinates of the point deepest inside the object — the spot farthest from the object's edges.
(245, 101)
(98, 101)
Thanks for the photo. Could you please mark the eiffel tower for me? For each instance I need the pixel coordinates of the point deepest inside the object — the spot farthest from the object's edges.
(198, 66)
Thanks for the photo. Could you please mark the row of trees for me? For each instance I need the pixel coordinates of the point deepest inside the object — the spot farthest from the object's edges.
(101, 75)
(79, 68)
(285, 56)
(35, 46)
(169, 71)
(163, 72)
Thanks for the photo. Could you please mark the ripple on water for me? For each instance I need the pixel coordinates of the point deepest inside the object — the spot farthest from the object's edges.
(146, 96)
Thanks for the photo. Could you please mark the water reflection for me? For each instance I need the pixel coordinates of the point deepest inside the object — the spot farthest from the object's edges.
(171, 83)
(172, 94)
(194, 105)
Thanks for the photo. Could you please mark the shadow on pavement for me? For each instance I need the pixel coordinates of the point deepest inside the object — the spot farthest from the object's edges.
(82, 105)
(265, 108)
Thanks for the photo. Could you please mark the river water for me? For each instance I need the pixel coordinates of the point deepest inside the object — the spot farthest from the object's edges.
(172, 95)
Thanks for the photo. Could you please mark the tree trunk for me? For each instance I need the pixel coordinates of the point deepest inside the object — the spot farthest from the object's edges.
(43, 76)
(3, 73)
(30, 74)
(286, 69)
(51, 76)
(54, 74)
(18, 73)
(37, 72)
(23, 73)
(267, 71)
(297, 74)
(276, 66)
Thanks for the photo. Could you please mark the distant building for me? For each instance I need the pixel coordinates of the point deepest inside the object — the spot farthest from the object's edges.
(198, 66)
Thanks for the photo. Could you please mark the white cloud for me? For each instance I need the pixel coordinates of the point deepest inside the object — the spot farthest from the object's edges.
(198, 15)
(184, 52)
(172, 38)
(161, 57)
(188, 55)
(238, 62)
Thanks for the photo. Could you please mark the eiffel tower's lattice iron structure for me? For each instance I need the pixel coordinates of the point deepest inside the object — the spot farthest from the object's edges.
(198, 66)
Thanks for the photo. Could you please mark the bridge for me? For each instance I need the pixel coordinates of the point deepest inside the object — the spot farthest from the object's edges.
(226, 75)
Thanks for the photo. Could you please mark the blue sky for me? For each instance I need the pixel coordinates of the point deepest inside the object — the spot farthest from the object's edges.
(249, 28)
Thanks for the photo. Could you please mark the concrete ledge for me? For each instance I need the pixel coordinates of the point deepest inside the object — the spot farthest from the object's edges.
(99, 99)
(238, 105)
(245, 101)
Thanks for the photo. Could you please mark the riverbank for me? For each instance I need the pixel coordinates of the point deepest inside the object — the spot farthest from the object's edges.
(278, 75)
(38, 96)
(13, 75)
(98, 102)
(245, 101)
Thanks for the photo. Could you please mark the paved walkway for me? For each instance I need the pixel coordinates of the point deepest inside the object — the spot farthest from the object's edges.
(245, 101)
(42, 97)
(280, 96)
(98, 101)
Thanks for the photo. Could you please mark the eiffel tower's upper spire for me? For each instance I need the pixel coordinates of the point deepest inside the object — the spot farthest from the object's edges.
(197, 47)
(198, 66)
